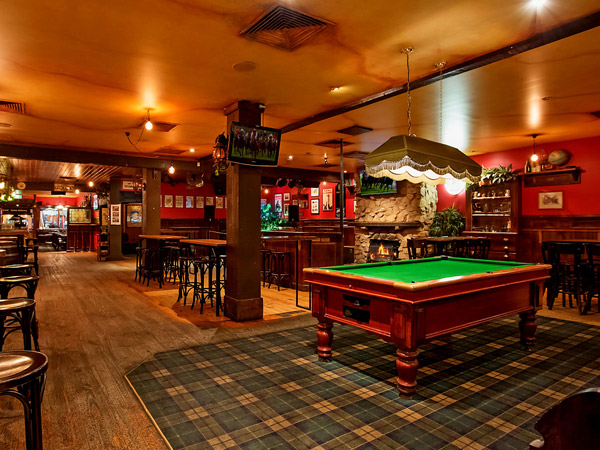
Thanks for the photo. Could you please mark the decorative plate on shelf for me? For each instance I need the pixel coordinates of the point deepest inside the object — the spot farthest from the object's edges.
(21, 185)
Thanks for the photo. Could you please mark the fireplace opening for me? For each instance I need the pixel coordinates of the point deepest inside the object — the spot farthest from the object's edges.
(383, 250)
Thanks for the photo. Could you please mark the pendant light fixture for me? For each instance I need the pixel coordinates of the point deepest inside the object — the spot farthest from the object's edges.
(534, 156)
(407, 157)
(148, 125)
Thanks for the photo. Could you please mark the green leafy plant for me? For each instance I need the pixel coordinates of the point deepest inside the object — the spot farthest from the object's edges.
(269, 219)
(448, 222)
(500, 174)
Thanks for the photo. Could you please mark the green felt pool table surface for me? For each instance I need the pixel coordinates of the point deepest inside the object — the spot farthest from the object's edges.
(426, 269)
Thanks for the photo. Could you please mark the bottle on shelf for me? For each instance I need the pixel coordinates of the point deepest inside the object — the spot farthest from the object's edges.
(527, 166)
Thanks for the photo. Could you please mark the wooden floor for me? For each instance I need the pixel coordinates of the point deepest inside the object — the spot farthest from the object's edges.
(96, 324)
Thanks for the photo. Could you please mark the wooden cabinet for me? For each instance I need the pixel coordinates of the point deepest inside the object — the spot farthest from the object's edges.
(493, 211)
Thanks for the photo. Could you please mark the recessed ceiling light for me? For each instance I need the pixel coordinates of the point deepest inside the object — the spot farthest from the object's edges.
(192, 150)
(290, 157)
(5, 125)
(244, 66)
(335, 88)
(545, 99)
(91, 184)
(537, 3)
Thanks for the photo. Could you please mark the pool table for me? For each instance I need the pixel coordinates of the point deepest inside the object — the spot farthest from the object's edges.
(408, 302)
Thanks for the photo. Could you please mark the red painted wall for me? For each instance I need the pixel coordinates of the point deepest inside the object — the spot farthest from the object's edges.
(305, 212)
(55, 201)
(189, 213)
(578, 199)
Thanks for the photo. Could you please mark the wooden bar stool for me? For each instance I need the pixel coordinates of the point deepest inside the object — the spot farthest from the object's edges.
(27, 282)
(151, 266)
(186, 265)
(281, 263)
(23, 376)
(265, 270)
(16, 269)
(203, 282)
(18, 314)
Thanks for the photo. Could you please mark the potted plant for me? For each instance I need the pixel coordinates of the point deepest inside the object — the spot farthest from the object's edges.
(498, 175)
(269, 219)
(448, 222)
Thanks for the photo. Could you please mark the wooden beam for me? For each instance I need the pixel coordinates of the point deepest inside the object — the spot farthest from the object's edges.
(547, 37)
(81, 157)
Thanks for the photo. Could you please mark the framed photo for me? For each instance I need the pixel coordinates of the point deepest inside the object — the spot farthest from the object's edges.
(219, 203)
(210, 201)
(314, 206)
(286, 196)
(278, 206)
(133, 215)
(263, 201)
(189, 201)
(127, 185)
(314, 192)
(286, 210)
(303, 204)
(294, 202)
(550, 200)
(199, 202)
(104, 216)
(115, 214)
(179, 201)
(327, 199)
(168, 201)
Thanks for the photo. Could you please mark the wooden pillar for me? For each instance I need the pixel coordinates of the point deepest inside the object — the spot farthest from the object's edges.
(115, 250)
(242, 291)
(151, 202)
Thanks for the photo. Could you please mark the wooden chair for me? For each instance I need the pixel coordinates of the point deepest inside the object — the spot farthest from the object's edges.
(567, 257)
(572, 424)
(460, 248)
(592, 274)
(418, 248)
(551, 284)
(103, 246)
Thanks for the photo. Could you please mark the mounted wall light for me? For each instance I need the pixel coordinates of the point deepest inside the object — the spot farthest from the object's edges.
(220, 162)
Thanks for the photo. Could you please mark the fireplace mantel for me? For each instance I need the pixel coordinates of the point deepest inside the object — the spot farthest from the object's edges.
(395, 225)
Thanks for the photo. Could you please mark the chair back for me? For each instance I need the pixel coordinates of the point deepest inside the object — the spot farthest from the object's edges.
(417, 248)
(567, 256)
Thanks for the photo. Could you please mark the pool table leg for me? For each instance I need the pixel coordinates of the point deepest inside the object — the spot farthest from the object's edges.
(527, 326)
(324, 339)
(406, 367)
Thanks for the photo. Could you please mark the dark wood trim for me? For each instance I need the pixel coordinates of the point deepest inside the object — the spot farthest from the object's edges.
(555, 34)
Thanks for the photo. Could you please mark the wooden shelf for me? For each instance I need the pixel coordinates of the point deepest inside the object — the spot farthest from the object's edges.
(568, 175)
(491, 214)
(387, 224)
(490, 198)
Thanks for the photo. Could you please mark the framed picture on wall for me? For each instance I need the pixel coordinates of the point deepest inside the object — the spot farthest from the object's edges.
(286, 210)
(179, 201)
(286, 196)
(278, 207)
(127, 185)
(133, 214)
(263, 201)
(219, 203)
(210, 201)
(294, 202)
(550, 200)
(168, 201)
(327, 199)
(303, 204)
(314, 206)
(104, 216)
(199, 201)
(314, 192)
(189, 201)
(115, 214)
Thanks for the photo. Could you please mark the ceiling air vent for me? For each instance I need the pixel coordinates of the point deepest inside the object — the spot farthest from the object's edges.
(170, 151)
(285, 28)
(12, 107)
(333, 143)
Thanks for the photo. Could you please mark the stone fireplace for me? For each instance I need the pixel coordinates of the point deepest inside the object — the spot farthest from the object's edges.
(405, 214)
(383, 250)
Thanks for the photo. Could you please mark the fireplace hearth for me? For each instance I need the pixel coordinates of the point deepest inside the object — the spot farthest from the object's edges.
(383, 250)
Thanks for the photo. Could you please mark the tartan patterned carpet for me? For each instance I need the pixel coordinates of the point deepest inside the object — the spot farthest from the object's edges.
(476, 389)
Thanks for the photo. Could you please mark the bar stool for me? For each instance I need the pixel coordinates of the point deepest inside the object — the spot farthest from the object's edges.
(18, 314)
(172, 263)
(203, 268)
(27, 282)
(281, 263)
(186, 264)
(138, 263)
(567, 259)
(593, 273)
(265, 271)
(32, 250)
(16, 269)
(23, 376)
(151, 267)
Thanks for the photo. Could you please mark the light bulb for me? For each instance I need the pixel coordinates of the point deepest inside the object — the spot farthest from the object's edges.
(266, 191)
(192, 150)
(172, 169)
(91, 184)
(77, 191)
(534, 157)
(148, 125)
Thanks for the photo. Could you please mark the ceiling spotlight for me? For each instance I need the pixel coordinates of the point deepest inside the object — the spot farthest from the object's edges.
(148, 125)
(77, 191)
(290, 157)
(325, 159)
(192, 150)
(172, 169)
(334, 88)
(91, 184)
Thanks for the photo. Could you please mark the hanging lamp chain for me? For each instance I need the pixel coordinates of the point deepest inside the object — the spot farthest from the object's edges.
(440, 66)
(407, 51)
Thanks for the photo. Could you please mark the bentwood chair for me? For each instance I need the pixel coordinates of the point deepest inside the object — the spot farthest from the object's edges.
(592, 275)
(551, 284)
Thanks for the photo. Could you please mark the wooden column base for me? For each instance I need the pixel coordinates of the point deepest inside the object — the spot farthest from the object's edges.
(243, 309)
